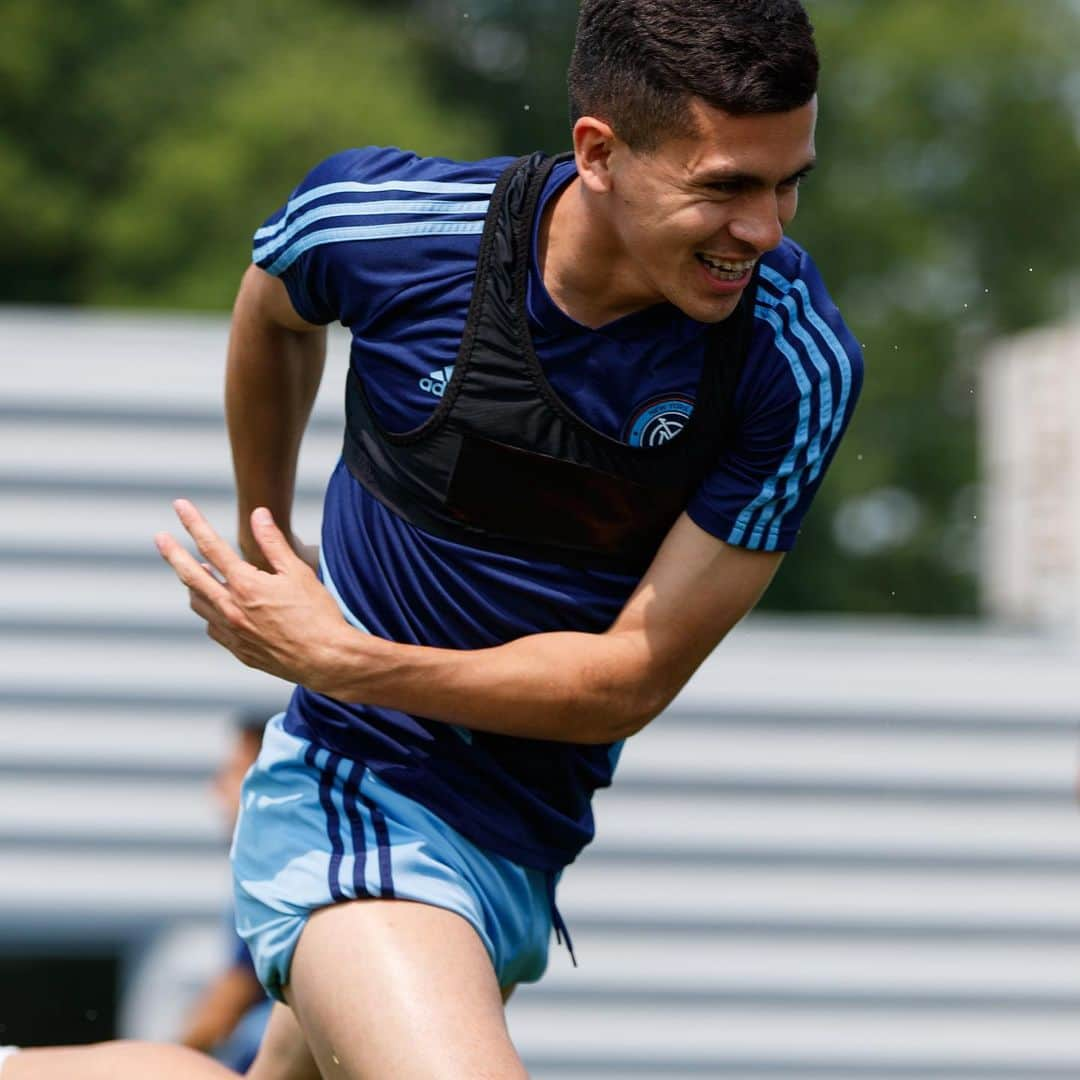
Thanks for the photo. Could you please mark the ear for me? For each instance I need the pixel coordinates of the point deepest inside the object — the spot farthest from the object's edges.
(594, 141)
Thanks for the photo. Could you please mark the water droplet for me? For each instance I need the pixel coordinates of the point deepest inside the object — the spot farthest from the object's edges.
(464, 15)
(526, 107)
(860, 457)
(986, 290)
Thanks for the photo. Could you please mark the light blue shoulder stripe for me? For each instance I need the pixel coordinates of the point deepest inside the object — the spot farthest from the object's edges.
(366, 209)
(787, 466)
(787, 473)
(370, 232)
(828, 335)
(795, 327)
(833, 425)
(423, 187)
(331, 588)
(815, 456)
(812, 462)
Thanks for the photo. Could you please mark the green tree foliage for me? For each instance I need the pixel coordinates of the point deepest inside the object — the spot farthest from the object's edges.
(942, 216)
(509, 61)
(140, 144)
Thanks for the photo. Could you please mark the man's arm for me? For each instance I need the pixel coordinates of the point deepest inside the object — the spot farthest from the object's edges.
(576, 687)
(275, 363)
(571, 686)
(221, 1007)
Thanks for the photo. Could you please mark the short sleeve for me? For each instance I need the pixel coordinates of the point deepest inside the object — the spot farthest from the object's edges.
(795, 399)
(324, 244)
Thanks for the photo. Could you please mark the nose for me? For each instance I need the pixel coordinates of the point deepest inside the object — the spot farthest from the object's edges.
(760, 222)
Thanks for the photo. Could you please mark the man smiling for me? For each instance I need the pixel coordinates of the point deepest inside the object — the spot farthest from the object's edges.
(640, 385)
(515, 577)
(718, 195)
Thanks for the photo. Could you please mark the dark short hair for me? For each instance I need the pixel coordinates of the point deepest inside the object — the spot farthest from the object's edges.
(637, 63)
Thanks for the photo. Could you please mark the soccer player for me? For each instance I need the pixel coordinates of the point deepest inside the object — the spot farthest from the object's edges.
(590, 400)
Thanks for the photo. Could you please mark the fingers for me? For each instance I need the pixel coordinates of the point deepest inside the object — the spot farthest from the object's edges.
(199, 580)
(204, 608)
(215, 550)
(272, 542)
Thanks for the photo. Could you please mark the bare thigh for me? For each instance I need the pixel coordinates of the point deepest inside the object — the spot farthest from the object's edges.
(283, 1053)
(115, 1061)
(391, 988)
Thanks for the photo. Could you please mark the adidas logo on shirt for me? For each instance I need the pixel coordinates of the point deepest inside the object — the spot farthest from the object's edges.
(435, 383)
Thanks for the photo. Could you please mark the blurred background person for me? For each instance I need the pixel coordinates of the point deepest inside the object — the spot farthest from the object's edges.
(229, 1017)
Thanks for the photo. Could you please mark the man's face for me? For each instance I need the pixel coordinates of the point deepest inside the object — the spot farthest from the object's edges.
(695, 214)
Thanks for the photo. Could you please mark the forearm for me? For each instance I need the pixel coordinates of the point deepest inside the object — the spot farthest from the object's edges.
(272, 375)
(571, 687)
(566, 686)
(220, 1009)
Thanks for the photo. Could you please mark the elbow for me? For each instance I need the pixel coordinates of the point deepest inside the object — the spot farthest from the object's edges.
(640, 705)
(619, 697)
(623, 727)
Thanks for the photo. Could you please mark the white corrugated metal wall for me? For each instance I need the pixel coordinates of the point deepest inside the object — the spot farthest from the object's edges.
(848, 851)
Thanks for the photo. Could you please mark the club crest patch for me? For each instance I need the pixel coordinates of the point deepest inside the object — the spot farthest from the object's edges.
(658, 421)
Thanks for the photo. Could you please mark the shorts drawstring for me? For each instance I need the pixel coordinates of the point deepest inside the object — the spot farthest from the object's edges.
(557, 922)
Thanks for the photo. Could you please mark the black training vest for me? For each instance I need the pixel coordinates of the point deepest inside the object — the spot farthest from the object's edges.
(502, 463)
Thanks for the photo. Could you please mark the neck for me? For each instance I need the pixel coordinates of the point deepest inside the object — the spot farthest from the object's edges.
(584, 267)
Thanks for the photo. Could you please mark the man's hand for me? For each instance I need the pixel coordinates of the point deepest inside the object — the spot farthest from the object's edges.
(282, 621)
(250, 550)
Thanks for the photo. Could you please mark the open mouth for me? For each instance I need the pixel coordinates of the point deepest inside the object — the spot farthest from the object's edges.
(724, 269)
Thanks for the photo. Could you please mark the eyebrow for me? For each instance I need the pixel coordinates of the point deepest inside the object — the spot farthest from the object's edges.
(724, 176)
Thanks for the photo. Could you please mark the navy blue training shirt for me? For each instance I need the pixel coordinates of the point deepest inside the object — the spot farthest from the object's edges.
(386, 243)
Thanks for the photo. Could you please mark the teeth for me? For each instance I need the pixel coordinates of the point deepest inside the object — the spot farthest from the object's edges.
(728, 267)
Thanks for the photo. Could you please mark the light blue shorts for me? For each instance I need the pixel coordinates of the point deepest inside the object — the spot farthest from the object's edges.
(317, 829)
